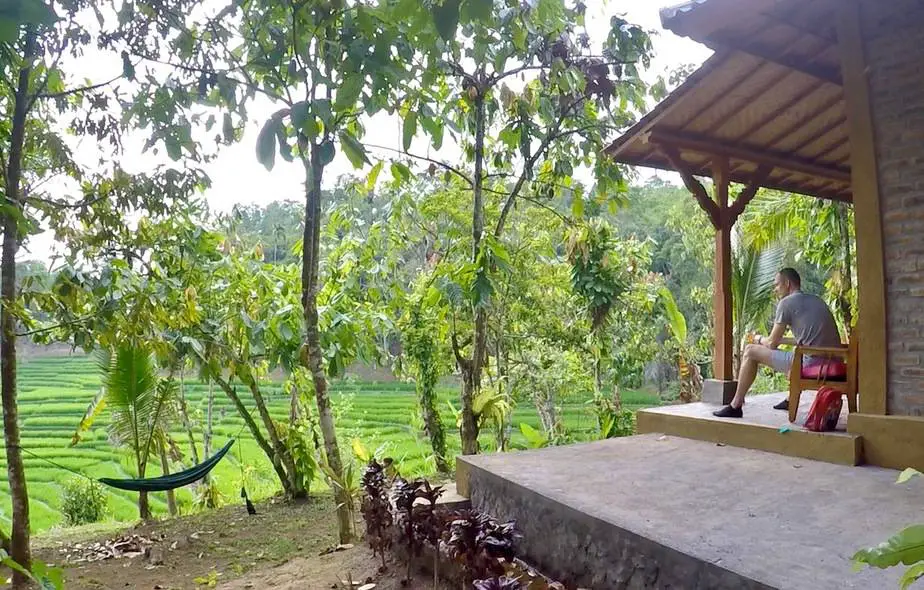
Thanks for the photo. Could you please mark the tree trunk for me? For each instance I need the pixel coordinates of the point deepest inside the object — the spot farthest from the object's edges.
(426, 391)
(469, 429)
(165, 467)
(16, 475)
(293, 405)
(311, 353)
(296, 482)
(207, 436)
(187, 423)
(144, 506)
(471, 374)
(503, 388)
(254, 431)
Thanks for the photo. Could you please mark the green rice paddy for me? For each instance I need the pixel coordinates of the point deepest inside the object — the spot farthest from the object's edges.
(54, 393)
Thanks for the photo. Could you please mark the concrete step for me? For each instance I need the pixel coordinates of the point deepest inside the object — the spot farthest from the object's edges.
(762, 429)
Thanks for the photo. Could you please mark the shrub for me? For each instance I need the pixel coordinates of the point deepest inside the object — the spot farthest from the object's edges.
(617, 423)
(84, 501)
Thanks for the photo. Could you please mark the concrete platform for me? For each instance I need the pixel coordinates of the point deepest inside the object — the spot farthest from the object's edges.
(658, 511)
(760, 429)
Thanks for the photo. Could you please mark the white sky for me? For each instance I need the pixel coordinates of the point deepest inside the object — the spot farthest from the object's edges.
(237, 177)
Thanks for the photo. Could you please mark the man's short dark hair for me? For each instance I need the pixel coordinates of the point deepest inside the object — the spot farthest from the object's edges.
(791, 275)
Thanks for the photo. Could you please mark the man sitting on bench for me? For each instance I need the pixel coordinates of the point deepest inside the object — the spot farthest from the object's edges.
(811, 323)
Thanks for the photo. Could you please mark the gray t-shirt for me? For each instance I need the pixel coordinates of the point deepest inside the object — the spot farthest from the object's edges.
(809, 319)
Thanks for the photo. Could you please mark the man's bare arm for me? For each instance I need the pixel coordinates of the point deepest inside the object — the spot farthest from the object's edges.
(776, 337)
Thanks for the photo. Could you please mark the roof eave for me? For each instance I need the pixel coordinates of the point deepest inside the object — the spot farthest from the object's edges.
(671, 13)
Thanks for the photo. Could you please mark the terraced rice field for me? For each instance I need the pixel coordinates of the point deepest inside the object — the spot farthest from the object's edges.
(54, 392)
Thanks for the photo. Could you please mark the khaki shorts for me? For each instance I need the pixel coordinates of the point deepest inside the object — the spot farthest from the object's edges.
(781, 360)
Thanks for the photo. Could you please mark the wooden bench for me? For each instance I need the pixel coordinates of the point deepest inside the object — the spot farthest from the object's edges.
(842, 376)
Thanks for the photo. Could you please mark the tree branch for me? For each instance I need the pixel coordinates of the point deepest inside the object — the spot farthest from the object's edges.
(527, 168)
(444, 165)
(64, 204)
(524, 68)
(52, 328)
(77, 90)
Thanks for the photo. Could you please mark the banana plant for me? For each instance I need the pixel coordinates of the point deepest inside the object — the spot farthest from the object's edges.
(691, 381)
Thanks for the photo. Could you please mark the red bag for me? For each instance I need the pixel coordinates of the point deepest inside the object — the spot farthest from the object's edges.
(825, 410)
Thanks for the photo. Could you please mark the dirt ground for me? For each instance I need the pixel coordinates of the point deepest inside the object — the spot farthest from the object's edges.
(285, 545)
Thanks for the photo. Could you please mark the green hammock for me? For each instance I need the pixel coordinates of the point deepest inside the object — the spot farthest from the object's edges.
(172, 481)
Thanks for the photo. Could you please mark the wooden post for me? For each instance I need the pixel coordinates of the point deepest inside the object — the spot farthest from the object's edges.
(871, 322)
(722, 294)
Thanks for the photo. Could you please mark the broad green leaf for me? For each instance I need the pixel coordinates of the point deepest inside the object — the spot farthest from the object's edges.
(911, 575)
(36, 12)
(907, 475)
(373, 177)
(677, 322)
(326, 151)
(9, 30)
(227, 128)
(354, 150)
(55, 82)
(128, 68)
(15, 13)
(410, 129)
(534, 438)
(360, 451)
(906, 547)
(300, 114)
(321, 108)
(8, 562)
(93, 410)
(174, 147)
(266, 143)
(433, 296)
(195, 345)
(577, 206)
(446, 19)
(348, 92)
(479, 9)
(400, 172)
(482, 289)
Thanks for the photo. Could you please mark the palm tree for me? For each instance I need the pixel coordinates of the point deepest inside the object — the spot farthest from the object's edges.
(823, 231)
(754, 268)
(140, 405)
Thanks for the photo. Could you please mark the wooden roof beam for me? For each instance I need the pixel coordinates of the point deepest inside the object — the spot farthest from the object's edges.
(707, 145)
(797, 64)
(694, 186)
(750, 191)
